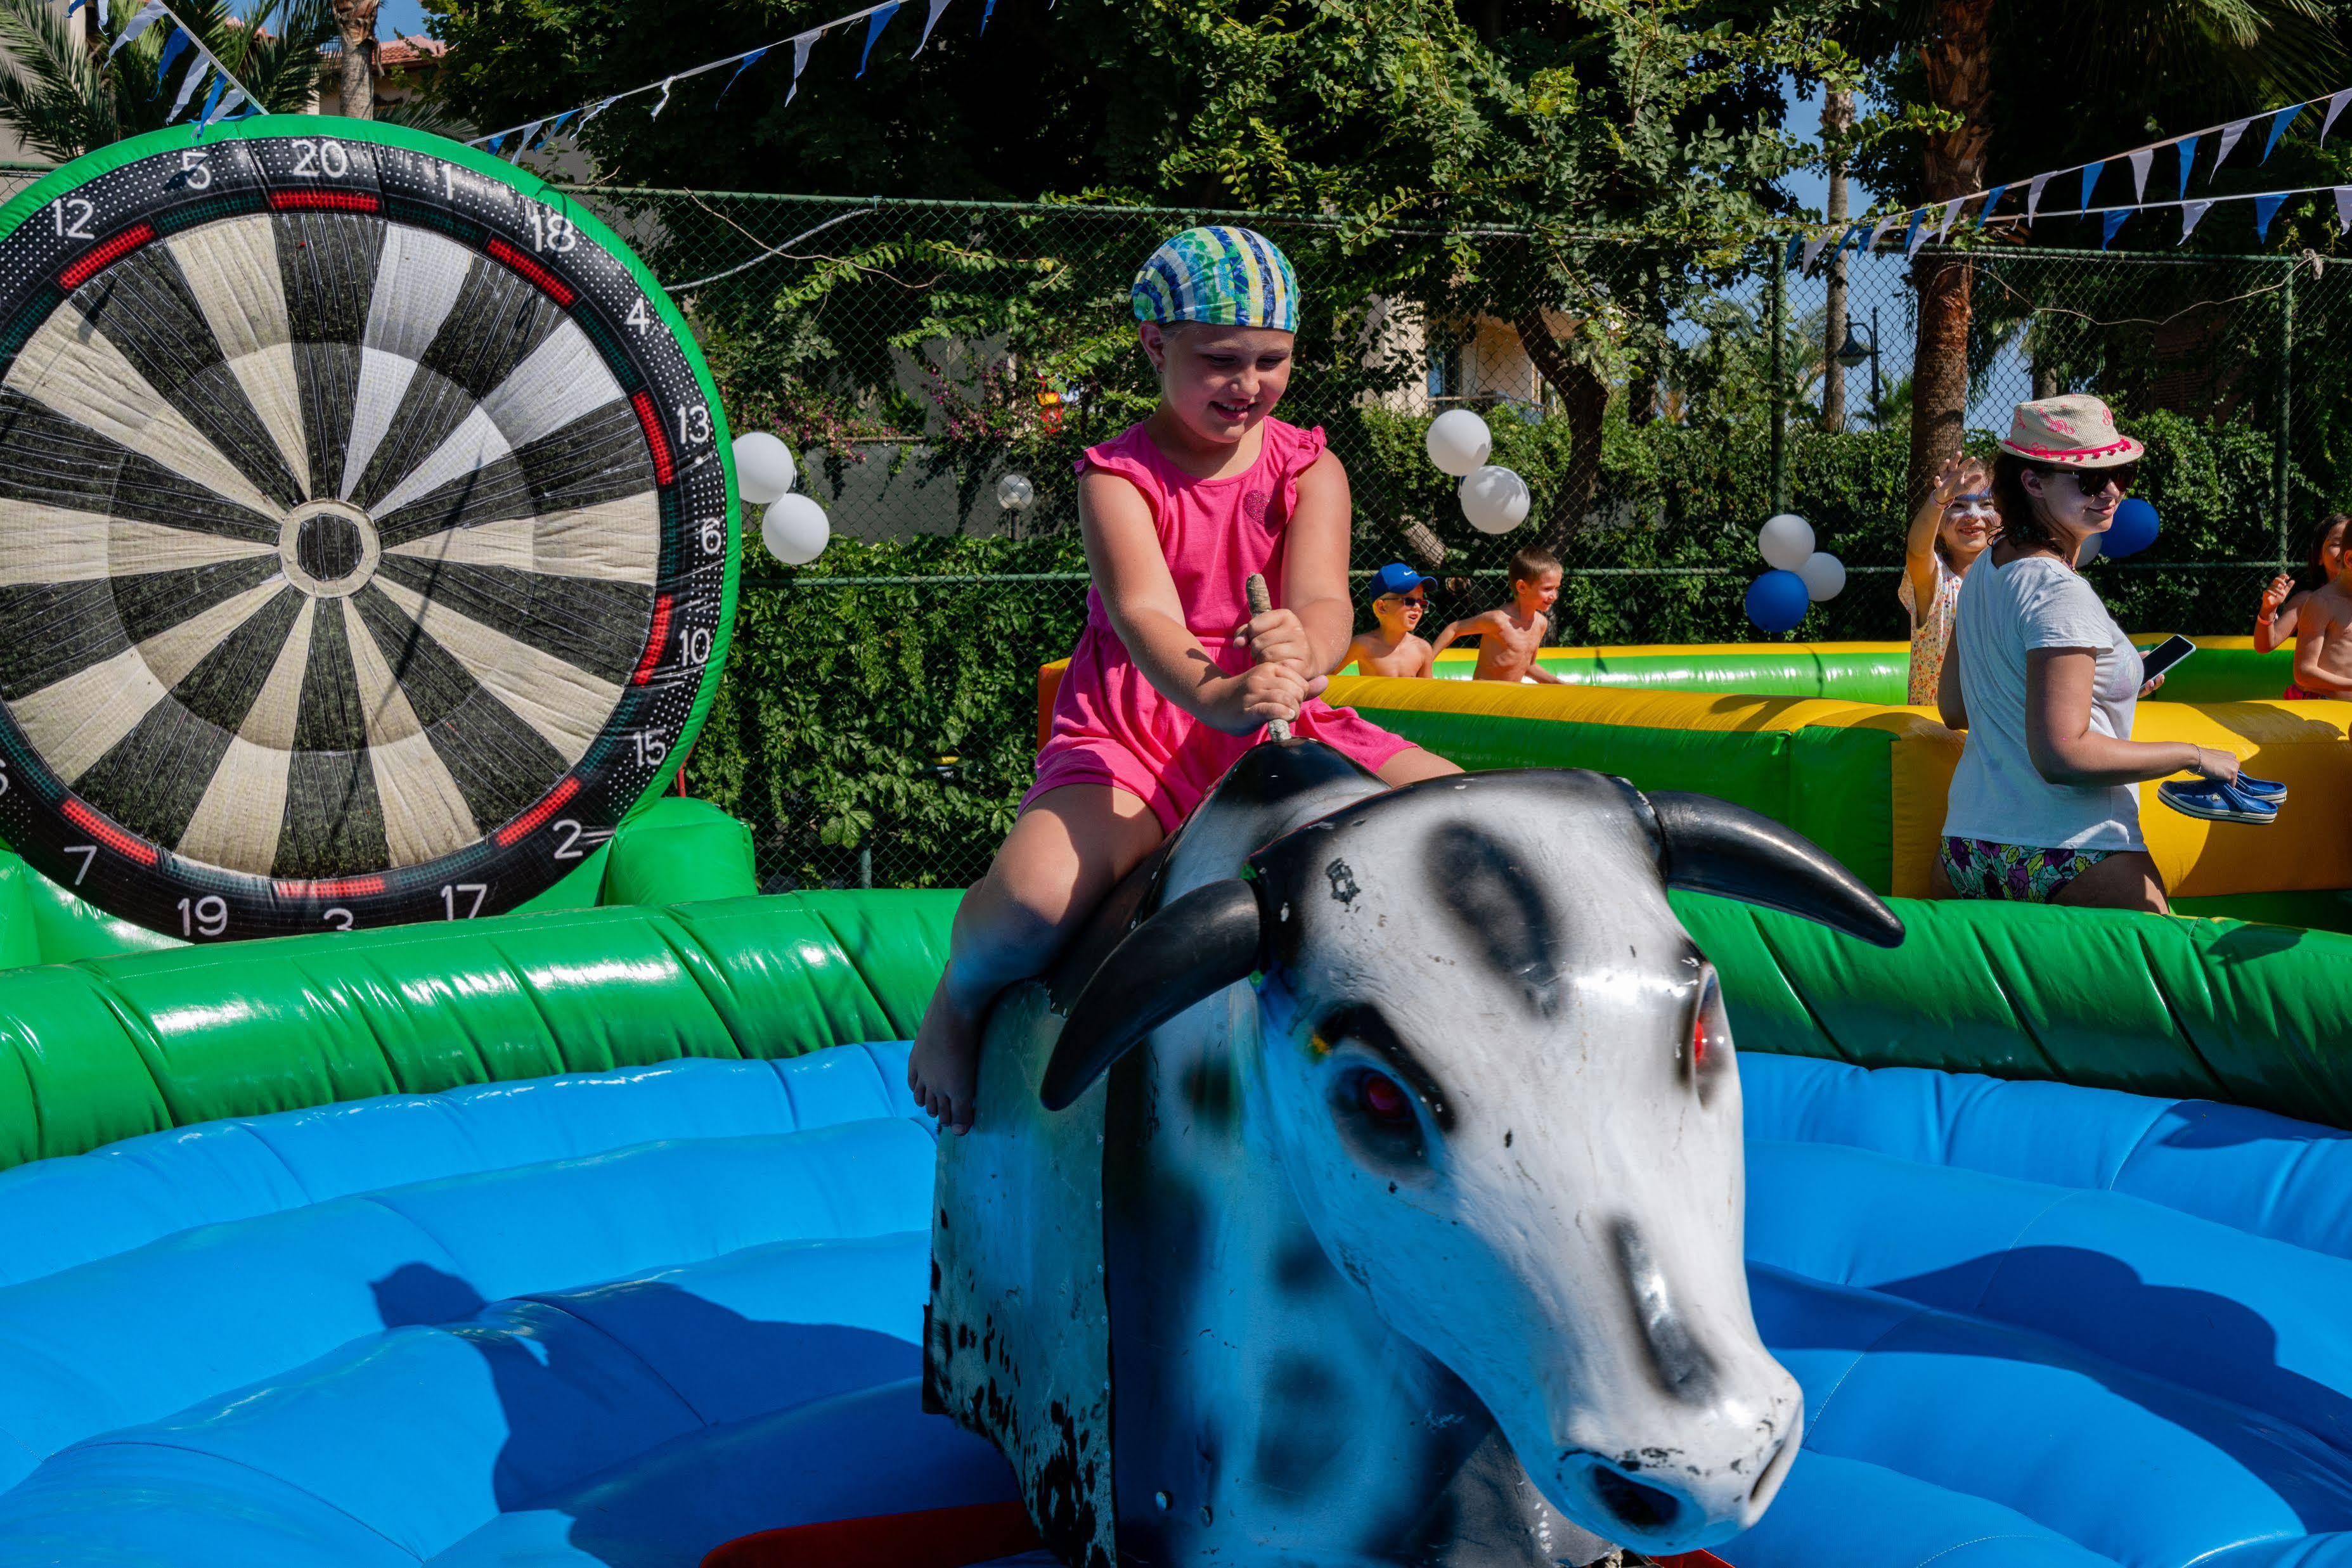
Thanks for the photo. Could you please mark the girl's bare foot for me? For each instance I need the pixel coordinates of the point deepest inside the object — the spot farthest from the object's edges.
(944, 1068)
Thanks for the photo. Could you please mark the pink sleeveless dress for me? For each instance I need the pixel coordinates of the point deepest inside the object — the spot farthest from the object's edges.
(1111, 726)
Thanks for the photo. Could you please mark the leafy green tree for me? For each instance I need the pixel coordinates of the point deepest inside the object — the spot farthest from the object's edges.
(66, 90)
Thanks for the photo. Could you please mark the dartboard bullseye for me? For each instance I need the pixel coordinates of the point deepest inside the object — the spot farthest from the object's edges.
(367, 536)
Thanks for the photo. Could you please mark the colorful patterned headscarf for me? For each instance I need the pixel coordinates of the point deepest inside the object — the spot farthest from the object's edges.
(1225, 275)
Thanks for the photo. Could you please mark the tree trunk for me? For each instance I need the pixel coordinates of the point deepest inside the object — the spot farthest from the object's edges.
(1837, 117)
(1584, 399)
(355, 86)
(1958, 55)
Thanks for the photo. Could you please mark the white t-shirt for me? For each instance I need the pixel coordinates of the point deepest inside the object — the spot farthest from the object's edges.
(2005, 612)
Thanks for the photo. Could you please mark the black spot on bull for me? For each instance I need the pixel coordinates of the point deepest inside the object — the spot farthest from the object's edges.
(1302, 1424)
(1059, 1500)
(1501, 909)
(1343, 882)
(1684, 1370)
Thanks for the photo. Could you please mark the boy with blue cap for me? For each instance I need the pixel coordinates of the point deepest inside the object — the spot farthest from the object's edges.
(1400, 599)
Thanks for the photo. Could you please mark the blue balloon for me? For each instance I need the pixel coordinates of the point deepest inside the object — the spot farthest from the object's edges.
(1777, 601)
(2133, 530)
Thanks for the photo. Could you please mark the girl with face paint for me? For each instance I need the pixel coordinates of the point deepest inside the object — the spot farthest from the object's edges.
(1952, 528)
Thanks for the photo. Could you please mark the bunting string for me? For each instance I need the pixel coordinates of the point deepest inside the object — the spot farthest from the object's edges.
(1927, 223)
(876, 17)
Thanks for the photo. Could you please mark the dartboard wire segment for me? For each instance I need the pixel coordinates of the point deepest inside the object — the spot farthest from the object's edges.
(367, 529)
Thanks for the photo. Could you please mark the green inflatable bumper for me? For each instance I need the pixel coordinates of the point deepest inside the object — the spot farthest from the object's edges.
(106, 1049)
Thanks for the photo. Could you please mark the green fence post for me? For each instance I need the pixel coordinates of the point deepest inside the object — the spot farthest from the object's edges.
(2285, 407)
(1779, 290)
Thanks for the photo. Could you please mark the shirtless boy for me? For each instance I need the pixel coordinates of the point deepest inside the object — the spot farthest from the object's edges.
(2323, 638)
(1509, 638)
(1400, 599)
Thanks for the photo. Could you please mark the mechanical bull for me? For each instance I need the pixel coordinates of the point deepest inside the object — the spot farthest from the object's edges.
(1385, 1201)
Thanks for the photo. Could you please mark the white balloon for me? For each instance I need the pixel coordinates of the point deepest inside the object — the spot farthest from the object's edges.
(1824, 575)
(1786, 541)
(1495, 499)
(1015, 494)
(795, 530)
(1459, 440)
(2088, 553)
(764, 469)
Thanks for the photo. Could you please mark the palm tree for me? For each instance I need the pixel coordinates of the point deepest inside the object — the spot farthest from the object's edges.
(66, 90)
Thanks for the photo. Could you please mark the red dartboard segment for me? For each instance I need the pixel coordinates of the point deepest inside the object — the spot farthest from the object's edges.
(104, 256)
(309, 199)
(466, 686)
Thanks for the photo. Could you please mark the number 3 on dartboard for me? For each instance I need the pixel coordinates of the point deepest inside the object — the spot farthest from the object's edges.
(71, 215)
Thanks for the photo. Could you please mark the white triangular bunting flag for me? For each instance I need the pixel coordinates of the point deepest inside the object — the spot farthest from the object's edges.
(2343, 209)
(1918, 235)
(2190, 212)
(236, 96)
(1813, 251)
(2140, 161)
(523, 138)
(1951, 211)
(800, 46)
(1879, 233)
(197, 73)
(663, 104)
(2034, 195)
(929, 23)
(2230, 134)
(145, 17)
(2334, 107)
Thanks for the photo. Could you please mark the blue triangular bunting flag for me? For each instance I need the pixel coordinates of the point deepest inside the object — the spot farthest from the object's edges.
(1912, 239)
(1984, 214)
(2278, 129)
(985, 13)
(874, 25)
(2187, 145)
(2110, 222)
(212, 101)
(498, 141)
(173, 47)
(1796, 244)
(2090, 179)
(2265, 209)
(748, 61)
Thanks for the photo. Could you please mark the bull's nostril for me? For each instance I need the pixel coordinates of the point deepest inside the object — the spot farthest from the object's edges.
(1776, 1467)
(1635, 1506)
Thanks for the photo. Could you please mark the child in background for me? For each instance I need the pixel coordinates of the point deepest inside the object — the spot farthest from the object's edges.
(1953, 525)
(2274, 624)
(1400, 599)
(1509, 638)
(2323, 639)
(1173, 677)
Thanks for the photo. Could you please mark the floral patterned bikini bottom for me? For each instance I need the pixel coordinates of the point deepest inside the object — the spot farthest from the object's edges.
(1980, 868)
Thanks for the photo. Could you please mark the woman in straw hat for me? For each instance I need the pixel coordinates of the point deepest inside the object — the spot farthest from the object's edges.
(2045, 805)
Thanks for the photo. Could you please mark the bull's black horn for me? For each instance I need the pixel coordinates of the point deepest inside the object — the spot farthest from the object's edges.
(1712, 846)
(1195, 948)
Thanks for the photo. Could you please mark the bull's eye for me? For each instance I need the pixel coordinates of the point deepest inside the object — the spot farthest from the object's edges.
(1378, 1124)
(1383, 1098)
(1709, 1051)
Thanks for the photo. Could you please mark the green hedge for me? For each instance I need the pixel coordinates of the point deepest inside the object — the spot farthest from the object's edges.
(841, 696)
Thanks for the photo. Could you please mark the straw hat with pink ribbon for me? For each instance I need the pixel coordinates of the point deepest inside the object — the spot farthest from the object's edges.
(2077, 431)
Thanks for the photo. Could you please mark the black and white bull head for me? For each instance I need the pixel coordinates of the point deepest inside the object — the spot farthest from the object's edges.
(1494, 1077)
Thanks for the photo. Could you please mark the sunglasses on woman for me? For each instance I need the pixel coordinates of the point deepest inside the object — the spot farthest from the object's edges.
(2095, 480)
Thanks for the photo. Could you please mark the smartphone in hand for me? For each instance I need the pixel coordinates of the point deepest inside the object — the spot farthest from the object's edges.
(2164, 656)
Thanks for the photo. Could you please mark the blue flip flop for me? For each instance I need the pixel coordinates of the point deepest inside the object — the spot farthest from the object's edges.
(2216, 802)
(2261, 789)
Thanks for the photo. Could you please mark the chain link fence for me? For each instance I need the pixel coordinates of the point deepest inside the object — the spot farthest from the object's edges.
(878, 721)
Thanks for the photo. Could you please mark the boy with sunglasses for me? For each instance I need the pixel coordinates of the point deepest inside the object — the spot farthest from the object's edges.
(1400, 599)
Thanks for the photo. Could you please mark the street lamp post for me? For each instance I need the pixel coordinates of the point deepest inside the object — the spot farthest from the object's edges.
(1854, 352)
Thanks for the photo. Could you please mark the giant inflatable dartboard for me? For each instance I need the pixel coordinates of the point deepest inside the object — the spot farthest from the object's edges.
(366, 534)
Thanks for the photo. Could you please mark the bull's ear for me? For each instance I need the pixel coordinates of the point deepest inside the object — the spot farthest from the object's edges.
(1712, 846)
(1193, 948)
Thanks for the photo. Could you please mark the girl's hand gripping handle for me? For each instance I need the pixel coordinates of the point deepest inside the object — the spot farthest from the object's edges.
(1261, 603)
